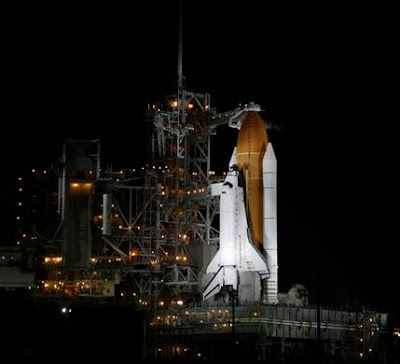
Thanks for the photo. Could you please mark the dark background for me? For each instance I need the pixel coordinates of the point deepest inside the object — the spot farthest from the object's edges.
(324, 76)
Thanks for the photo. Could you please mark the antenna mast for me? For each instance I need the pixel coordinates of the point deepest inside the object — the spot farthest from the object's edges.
(180, 46)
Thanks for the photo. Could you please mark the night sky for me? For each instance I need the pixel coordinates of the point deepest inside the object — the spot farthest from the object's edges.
(323, 76)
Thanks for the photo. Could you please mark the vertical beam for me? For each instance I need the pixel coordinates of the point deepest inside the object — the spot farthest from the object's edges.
(270, 243)
(180, 42)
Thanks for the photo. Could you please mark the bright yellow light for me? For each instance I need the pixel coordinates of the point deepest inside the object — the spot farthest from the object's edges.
(79, 187)
(53, 260)
(175, 103)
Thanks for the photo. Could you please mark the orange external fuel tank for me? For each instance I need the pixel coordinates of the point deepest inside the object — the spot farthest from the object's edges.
(251, 146)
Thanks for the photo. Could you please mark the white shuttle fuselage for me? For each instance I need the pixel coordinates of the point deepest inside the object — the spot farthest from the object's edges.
(236, 253)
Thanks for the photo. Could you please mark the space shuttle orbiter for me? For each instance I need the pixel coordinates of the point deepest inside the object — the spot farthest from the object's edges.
(246, 261)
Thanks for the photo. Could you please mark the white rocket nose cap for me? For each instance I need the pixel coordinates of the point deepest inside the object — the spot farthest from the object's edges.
(269, 159)
(270, 154)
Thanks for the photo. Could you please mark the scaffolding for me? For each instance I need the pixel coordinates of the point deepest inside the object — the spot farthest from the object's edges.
(163, 217)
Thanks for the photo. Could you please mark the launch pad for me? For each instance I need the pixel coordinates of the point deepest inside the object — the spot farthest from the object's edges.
(273, 333)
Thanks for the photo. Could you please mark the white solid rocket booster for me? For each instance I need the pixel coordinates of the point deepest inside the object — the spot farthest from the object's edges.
(270, 225)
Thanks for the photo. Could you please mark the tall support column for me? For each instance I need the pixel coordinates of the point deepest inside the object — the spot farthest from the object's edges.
(270, 243)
